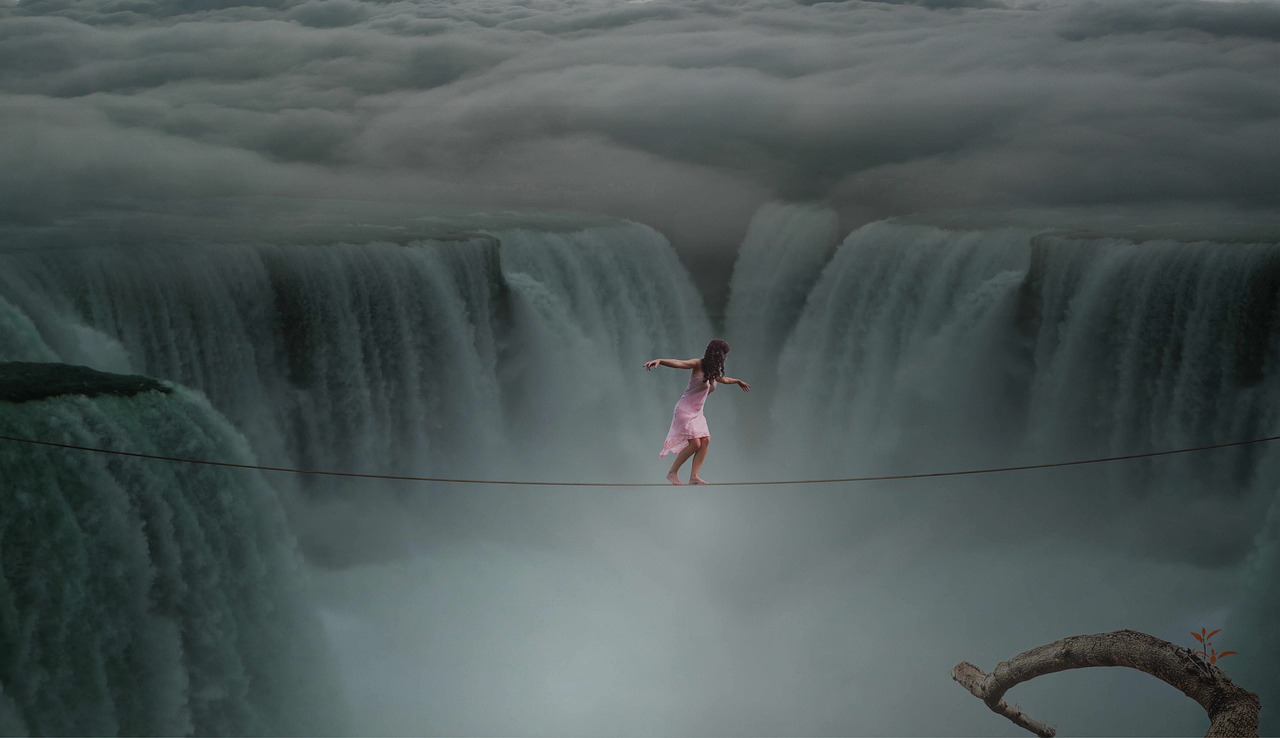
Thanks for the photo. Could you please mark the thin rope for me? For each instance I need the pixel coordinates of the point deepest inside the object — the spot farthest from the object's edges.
(528, 483)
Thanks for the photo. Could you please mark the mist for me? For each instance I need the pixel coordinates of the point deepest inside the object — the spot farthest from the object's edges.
(683, 116)
(442, 238)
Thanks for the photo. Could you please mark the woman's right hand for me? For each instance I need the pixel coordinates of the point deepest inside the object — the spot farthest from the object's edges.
(649, 365)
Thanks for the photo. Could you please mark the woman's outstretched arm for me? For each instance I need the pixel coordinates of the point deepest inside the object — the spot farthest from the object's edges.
(730, 380)
(673, 363)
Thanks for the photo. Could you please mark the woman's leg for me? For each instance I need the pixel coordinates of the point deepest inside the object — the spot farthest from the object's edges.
(689, 449)
(698, 458)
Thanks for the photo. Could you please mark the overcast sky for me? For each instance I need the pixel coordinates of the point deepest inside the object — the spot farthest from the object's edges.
(686, 116)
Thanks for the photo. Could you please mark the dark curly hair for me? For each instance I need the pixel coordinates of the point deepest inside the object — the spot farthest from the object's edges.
(713, 360)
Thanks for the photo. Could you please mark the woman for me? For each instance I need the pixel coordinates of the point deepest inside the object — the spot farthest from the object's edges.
(689, 435)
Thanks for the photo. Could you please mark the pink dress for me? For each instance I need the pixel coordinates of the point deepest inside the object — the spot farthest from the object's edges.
(688, 421)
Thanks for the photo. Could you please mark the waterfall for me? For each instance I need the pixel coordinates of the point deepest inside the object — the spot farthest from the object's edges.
(489, 353)
(429, 357)
(780, 259)
(507, 351)
(514, 352)
(983, 346)
(147, 598)
(923, 348)
(511, 348)
(589, 309)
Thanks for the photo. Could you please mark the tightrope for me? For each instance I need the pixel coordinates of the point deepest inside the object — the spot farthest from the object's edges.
(529, 483)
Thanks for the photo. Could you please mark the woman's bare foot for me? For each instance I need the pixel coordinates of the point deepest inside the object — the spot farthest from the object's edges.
(671, 477)
(698, 480)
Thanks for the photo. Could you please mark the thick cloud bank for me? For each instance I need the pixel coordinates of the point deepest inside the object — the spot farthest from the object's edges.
(684, 115)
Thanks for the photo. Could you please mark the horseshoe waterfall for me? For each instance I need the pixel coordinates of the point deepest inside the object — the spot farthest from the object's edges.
(139, 596)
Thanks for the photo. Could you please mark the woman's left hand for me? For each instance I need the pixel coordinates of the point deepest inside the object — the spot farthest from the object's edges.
(745, 387)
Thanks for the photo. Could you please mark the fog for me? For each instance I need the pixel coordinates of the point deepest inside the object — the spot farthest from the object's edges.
(146, 131)
(684, 116)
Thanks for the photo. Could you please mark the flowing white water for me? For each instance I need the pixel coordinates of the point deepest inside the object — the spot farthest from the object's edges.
(516, 352)
(926, 349)
(589, 309)
(922, 349)
(782, 256)
(510, 354)
(421, 358)
(144, 598)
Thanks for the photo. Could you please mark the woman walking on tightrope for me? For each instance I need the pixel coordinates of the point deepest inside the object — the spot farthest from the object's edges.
(689, 435)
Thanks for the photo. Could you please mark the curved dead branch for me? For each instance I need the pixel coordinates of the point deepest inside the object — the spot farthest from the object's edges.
(1233, 711)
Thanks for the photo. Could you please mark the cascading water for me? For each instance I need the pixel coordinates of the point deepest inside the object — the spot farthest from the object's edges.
(426, 357)
(146, 598)
(377, 356)
(438, 357)
(781, 258)
(516, 350)
(885, 335)
(924, 349)
(1005, 344)
(587, 307)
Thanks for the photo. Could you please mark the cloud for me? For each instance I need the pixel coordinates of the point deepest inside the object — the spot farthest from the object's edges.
(877, 108)
(1094, 19)
(328, 13)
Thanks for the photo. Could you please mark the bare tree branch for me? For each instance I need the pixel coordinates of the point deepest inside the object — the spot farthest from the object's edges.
(1233, 711)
